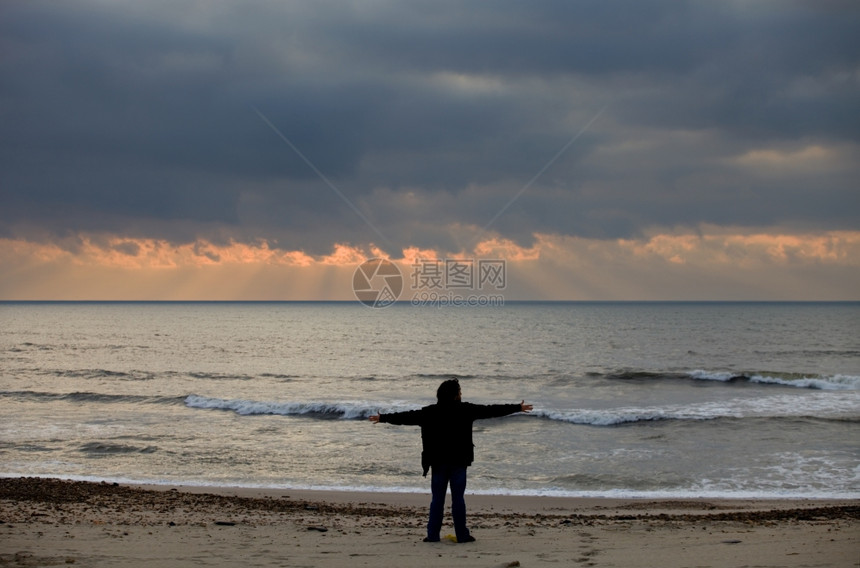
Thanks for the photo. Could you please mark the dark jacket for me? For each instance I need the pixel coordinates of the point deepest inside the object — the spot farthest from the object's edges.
(446, 429)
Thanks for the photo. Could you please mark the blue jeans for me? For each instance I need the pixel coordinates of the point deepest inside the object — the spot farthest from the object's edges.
(441, 476)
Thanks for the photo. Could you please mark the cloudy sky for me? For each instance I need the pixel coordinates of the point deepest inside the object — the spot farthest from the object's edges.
(630, 149)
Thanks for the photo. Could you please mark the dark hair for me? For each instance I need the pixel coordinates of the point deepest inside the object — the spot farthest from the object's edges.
(448, 391)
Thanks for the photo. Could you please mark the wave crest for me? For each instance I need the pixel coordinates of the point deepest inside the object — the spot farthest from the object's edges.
(87, 397)
(316, 409)
(824, 382)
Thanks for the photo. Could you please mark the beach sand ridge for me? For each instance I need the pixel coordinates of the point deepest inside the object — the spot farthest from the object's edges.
(47, 522)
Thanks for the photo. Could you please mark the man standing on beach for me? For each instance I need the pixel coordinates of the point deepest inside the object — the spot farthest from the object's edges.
(446, 435)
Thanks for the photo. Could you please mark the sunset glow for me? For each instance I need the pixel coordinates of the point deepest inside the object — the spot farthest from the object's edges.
(561, 268)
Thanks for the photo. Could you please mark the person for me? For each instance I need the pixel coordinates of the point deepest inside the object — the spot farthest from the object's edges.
(447, 449)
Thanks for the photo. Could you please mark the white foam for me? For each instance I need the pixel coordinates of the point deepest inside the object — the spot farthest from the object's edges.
(834, 382)
(821, 405)
(347, 410)
(824, 382)
(704, 490)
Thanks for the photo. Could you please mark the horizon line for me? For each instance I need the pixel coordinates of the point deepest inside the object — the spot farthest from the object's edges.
(409, 303)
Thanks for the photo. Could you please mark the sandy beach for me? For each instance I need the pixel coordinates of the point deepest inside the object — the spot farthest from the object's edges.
(45, 522)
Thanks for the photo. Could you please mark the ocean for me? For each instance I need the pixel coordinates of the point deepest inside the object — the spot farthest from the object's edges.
(630, 399)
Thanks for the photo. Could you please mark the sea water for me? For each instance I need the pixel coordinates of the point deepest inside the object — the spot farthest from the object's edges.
(630, 399)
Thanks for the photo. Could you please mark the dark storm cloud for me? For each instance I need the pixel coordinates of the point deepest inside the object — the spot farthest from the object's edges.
(139, 117)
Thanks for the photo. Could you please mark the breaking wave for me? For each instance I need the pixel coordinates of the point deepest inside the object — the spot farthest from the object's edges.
(831, 382)
(314, 409)
(770, 407)
(797, 380)
(85, 397)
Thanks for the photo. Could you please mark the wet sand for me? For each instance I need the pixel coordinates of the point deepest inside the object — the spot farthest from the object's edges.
(46, 522)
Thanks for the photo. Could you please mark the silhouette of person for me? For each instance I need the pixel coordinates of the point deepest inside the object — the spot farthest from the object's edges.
(446, 435)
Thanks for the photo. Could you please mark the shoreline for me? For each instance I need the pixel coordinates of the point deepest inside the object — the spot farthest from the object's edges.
(50, 522)
(405, 493)
(526, 505)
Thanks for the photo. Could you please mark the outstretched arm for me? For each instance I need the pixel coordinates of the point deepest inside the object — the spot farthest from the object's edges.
(409, 417)
(482, 411)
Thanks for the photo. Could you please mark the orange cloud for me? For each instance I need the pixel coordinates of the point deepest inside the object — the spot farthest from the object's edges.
(156, 254)
(709, 263)
(507, 250)
(813, 158)
(413, 255)
(783, 158)
(344, 255)
(717, 246)
(672, 248)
